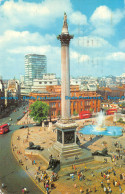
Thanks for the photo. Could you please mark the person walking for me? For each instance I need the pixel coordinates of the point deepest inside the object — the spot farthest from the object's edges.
(81, 190)
(104, 189)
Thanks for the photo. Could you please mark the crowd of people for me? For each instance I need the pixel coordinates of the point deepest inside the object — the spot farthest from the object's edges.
(48, 181)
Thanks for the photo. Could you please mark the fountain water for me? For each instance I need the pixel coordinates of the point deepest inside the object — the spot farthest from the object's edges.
(100, 128)
(100, 122)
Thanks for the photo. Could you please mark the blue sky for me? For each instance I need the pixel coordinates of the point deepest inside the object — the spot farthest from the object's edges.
(98, 47)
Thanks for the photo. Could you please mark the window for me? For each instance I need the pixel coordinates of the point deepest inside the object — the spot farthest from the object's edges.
(40, 82)
(50, 82)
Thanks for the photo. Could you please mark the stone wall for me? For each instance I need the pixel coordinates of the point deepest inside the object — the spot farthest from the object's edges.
(102, 158)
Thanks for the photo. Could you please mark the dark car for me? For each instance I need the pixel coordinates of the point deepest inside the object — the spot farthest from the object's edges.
(37, 124)
(20, 117)
(21, 127)
(26, 126)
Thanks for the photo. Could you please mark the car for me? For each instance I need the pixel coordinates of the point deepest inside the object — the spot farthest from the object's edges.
(26, 126)
(21, 127)
(36, 124)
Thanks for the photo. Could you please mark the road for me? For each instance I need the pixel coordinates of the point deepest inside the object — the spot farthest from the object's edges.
(10, 172)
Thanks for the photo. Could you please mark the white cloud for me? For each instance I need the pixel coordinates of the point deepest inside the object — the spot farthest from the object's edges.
(104, 20)
(116, 56)
(15, 39)
(79, 57)
(23, 14)
(122, 44)
(78, 18)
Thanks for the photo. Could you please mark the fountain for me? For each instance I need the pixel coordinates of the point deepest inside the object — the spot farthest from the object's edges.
(100, 122)
(100, 128)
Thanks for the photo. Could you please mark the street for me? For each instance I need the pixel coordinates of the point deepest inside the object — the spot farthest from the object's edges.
(11, 174)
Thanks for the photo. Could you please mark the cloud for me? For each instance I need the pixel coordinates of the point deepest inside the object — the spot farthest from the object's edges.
(122, 44)
(104, 21)
(78, 18)
(15, 45)
(15, 39)
(116, 56)
(22, 14)
(79, 57)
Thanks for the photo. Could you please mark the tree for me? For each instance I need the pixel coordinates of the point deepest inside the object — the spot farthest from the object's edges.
(75, 113)
(39, 111)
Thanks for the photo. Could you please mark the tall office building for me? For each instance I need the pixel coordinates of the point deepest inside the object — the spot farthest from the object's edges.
(35, 67)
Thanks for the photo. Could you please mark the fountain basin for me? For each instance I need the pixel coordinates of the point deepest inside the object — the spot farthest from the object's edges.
(106, 130)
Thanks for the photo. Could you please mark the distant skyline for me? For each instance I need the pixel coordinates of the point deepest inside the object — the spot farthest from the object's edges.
(98, 47)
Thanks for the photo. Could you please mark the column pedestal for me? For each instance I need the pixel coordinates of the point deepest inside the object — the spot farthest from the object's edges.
(66, 149)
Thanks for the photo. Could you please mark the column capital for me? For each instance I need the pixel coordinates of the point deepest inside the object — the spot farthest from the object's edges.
(65, 39)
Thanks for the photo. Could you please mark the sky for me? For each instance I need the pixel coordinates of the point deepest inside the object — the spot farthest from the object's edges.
(32, 26)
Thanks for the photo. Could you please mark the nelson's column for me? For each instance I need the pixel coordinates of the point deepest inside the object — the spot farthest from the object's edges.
(66, 146)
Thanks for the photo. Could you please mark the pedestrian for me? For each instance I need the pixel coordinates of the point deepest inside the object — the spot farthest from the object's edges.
(34, 162)
(121, 177)
(102, 184)
(120, 189)
(38, 180)
(81, 190)
(26, 168)
(74, 167)
(114, 173)
(44, 184)
(110, 190)
(39, 168)
(104, 189)
(23, 191)
(75, 186)
(73, 177)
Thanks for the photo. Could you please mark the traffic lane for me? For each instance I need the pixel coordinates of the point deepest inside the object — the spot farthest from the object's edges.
(10, 172)
(12, 115)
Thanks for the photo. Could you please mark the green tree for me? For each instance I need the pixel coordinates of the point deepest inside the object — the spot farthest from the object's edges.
(39, 111)
(75, 113)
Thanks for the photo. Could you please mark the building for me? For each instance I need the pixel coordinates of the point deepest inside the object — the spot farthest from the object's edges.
(112, 93)
(35, 67)
(80, 100)
(48, 79)
(12, 93)
(40, 84)
(2, 94)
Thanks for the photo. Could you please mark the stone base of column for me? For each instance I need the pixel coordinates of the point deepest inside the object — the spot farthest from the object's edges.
(66, 149)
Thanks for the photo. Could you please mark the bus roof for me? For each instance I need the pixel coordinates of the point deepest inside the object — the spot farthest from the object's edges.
(4, 125)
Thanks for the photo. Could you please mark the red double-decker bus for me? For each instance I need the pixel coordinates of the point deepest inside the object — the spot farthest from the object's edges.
(111, 111)
(4, 128)
(85, 114)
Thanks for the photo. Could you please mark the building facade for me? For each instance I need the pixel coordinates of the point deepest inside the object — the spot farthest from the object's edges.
(12, 93)
(48, 79)
(2, 94)
(80, 100)
(35, 67)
